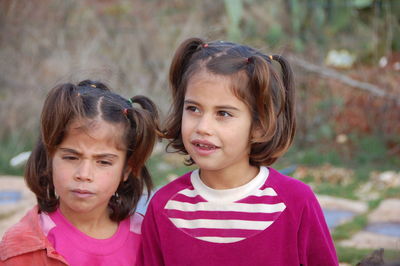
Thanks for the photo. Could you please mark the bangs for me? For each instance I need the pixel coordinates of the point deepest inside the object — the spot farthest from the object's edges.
(114, 135)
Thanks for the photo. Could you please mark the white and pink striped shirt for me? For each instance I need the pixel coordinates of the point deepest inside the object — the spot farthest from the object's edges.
(272, 220)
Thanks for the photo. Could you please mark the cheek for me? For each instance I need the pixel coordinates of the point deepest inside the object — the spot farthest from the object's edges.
(242, 134)
(59, 182)
(115, 175)
(56, 171)
(185, 126)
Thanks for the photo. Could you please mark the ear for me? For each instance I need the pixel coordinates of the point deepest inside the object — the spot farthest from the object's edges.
(257, 134)
(126, 173)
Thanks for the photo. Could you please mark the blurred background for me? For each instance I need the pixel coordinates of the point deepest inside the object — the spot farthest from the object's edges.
(346, 59)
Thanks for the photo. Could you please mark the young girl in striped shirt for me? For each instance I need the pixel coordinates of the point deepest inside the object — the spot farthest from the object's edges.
(233, 114)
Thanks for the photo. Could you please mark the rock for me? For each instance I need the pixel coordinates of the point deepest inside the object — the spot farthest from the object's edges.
(387, 179)
(373, 259)
(334, 203)
(387, 211)
(325, 173)
(367, 191)
(370, 240)
(340, 58)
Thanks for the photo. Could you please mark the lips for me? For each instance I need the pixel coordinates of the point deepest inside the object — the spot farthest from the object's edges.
(204, 145)
(82, 193)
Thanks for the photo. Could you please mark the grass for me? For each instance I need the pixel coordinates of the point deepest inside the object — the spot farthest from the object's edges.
(348, 229)
(355, 255)
(351, 255)
(372, 204)
(161, 170)
(361, 154)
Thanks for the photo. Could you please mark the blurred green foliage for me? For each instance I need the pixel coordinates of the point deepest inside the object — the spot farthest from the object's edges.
(346, 230)
(234, 10)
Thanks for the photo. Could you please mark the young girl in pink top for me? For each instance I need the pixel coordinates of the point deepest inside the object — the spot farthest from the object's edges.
(88, 173)
(233, 114)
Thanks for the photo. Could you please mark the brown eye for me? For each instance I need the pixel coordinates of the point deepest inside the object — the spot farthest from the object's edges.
(69, 158)
(105, 163)
(224, 114)
(192, 109)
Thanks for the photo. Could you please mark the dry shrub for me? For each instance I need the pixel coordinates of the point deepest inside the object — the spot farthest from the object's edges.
(127, 44)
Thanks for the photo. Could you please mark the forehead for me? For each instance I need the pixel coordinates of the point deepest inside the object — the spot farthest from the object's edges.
(96, 130)
(203, 76)
(204, 83)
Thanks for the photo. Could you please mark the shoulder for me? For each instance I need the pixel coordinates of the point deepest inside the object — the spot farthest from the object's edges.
(289, 188)
(28, 224)
(162, 195)
(135, 222)
(22, 237)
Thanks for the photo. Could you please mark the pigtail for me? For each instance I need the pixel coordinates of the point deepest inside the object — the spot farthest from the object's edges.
(59, 107)
(147, 105)
(142, 135)
(289, 105)
(259, 83)
(279, 113)
(38, 178)
(144, 122)
(180, 62)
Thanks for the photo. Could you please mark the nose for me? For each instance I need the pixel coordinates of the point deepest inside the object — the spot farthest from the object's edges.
(204, 125)
(84, 171)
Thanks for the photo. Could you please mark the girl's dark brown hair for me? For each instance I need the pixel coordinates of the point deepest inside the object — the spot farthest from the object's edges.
(269, 94)
(86, 102)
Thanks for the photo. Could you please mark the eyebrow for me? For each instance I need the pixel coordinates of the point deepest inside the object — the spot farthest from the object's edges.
(101, 155)
(229, 107)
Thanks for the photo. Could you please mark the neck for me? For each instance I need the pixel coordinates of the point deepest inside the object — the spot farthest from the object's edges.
(96, 225)
(228, 178)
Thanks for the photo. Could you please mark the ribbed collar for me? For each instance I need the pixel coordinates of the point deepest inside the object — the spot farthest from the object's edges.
(228, 195)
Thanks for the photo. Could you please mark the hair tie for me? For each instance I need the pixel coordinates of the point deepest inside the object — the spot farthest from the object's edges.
(125, 111)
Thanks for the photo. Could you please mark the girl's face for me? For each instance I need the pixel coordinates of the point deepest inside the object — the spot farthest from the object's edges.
(87, 168)
(216, 126)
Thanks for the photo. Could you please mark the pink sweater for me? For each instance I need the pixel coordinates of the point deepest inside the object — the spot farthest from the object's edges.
(80, 249)
(272, 220)
(42, 239)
